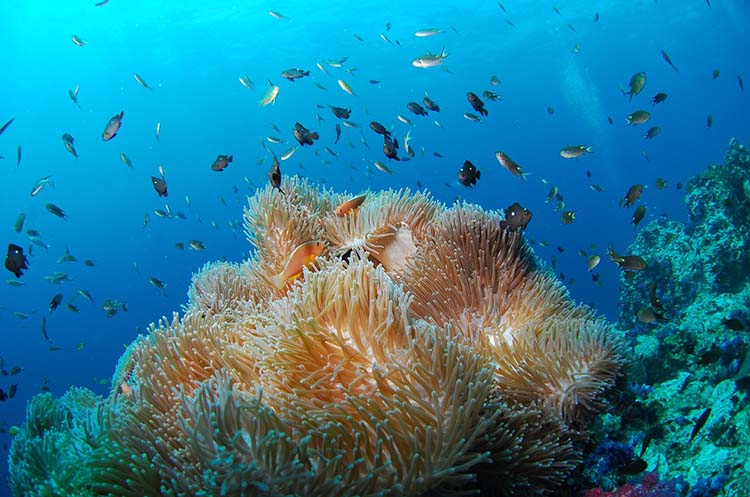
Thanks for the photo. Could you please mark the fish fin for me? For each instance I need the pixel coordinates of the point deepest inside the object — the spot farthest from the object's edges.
(122, 113)
(277, 280)
(229, 159)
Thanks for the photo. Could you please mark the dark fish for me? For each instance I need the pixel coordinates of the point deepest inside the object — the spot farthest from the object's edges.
(699, 423)
(550, 110)
(430, 104)
(303, 135)
(709, 120)
(379, 129)
(634, 467)
(374, 82)
(659, 98)
(627, 262)
(596, 17)
(390, 147)
(6, 125)
(634, 192)
(638, 215)
(221, 162)
(294, 73)
(160, 185)
(476, 103)
(3, 395)
(341, 112)
(668, 59)
(112, 127)
(516, 217)
(101, 4)
(416, 108)
(16, 261)
(12, 390)
(652, 132)
(338, 133)
(715, 74)
(739, 82)
(572, 28)
(55, 302)
(468, 174)
(19, 222)
(18, 156)
(52, 208)
(274, 175)
(734, 324)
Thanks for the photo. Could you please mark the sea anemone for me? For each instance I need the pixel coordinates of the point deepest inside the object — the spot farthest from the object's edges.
(426, 351)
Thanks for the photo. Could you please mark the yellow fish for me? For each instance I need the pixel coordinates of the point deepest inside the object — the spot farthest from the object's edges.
(302, 256)
(344, 86)
(269, 97)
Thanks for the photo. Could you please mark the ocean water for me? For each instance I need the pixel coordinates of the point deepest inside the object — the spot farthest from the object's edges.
(191, 54)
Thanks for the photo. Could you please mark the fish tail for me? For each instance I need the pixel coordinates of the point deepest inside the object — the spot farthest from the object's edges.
(314, 136)
(588, 150)
(523, 175)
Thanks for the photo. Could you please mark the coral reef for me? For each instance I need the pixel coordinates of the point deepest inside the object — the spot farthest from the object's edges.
(424, 352)
(697, 356)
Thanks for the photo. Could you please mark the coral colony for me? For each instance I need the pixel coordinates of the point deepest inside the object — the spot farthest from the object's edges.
(390, 347)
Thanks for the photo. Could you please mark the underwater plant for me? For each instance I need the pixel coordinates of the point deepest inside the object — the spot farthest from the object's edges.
(409, 349)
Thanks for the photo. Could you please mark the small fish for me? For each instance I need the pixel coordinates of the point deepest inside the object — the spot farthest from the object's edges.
(715, 74)
(78, 40)
(659, 98)
(221, 162)
(44, 329)
(709, 120)
(112, 127)
(468, 174)
(476, 103)
(699, 423)
(15, 260)
(18, 156)
(270, 95)
(89, 263)
(516, 217)
(247, 82)
(668, 60)
(637, 82)
(277, 15)
(573, 151)
(157, 283)
(55, 302)
(382, 167)
(389, 148)
(294, 73)
(511, 165)
(126, 160)
(52, 208)
(341, 112)
(652, 132)
(274, 175)
(638, 215)
(550, 110)
(303, 135)
(638, 117)
(141, 81)
(196, 245)
(345, 86)
(303, 256)
(101, 4)
(739, 82)
(350, 124)
(67, 257)
(83, 293)
(158, 130)
(416, 108)
(350, 205)
(633, 467)
(472, 117)
(7, 125)
(404, 120)
(18, 226)
(627, 262)
(160, 185)
(379, 129)
(289, 153)
(592, 261)
(660, 183)
(632, 195)
(338, 133)
(424, 33)
(430, 104)
(73, 94)
(275, 140)
(430, 60)
(568, 217)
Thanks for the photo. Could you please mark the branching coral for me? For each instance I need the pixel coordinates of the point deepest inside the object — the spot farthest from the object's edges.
(424, 352)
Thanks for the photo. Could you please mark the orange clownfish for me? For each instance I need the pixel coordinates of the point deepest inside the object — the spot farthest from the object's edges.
(349, 206)
(302, 256)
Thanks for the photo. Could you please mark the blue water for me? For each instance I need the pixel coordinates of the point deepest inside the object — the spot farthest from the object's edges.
(192, 56)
